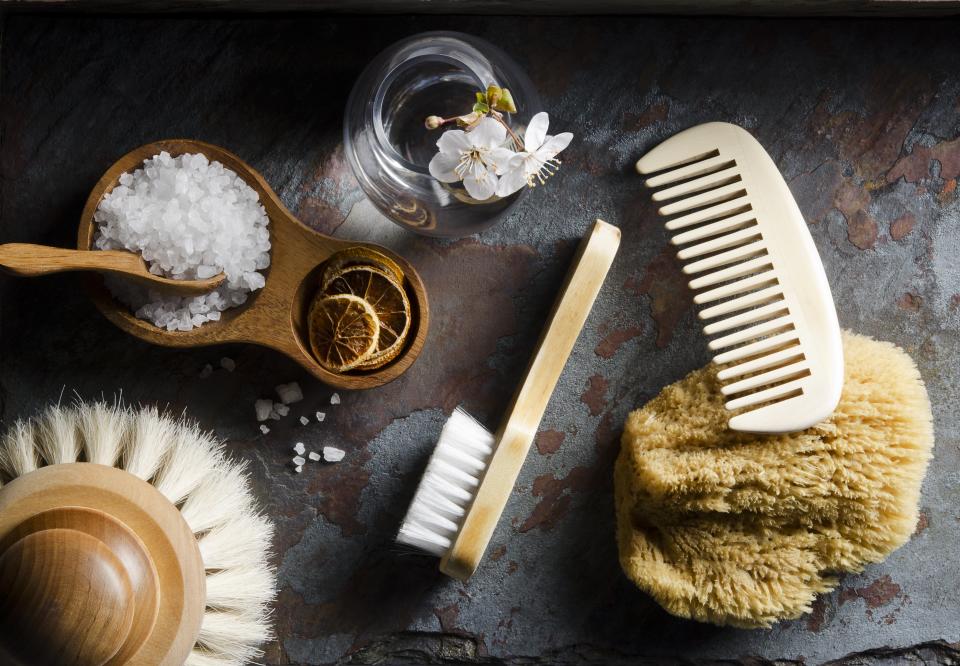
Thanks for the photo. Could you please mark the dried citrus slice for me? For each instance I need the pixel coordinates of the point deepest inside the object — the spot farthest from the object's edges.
(361, 255)
(344, 331)
(389, 301)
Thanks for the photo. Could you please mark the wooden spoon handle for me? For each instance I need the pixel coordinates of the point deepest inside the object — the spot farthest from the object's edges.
(28, 260)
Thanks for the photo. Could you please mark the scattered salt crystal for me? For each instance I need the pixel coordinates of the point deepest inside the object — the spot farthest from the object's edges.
(320, 417)
(289, 393)
(335, 399)
(299, 460)
(313, 455)
(227, 363)
(206, 371)
(298, 469)
(333, 454)
(263, 409)
(281, 408)
(189, 218)
(304, 420)
(264, 429)
(299, 448)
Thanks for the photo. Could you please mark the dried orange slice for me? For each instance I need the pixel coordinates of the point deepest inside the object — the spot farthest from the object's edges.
(344, 331)
(361, 255)
(389, 301)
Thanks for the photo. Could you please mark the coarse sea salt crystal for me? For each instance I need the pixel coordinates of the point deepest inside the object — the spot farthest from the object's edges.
(264, 429)
(189, 218)
(299, 460)
(320, 417)
(227, 363)
(298, 469)
(289, 393)
(206, 371)
(313, 455)
(264, 408)
(299, 448)
(281, 408)
(304, 420)
(335, 399)
(333, 454)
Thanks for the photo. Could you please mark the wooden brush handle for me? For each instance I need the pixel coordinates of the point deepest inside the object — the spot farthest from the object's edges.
(28, 260)
(583, 282)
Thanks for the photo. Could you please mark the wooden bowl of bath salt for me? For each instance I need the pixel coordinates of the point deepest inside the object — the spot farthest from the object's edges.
(274, 316)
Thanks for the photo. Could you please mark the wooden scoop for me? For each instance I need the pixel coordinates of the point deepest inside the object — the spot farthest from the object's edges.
(275, 316)
(28, 260)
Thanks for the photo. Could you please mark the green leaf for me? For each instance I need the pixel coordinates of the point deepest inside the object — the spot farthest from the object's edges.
(505, 102)
(481, 97)
(481, 107)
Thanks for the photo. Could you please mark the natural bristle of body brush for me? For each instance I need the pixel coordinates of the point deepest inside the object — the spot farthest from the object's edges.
(189, 468)
(449, 484)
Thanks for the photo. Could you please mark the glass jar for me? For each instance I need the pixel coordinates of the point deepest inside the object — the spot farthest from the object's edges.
(389, 148)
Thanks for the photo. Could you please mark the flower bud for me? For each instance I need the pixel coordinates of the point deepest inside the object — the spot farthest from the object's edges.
(433, 122)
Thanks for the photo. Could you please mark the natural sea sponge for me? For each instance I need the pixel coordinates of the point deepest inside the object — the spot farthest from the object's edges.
(744, 530)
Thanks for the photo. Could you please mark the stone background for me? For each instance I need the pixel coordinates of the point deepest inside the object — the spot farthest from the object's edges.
(862, 118)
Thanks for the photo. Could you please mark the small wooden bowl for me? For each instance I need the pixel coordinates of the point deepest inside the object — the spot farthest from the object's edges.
(276, 315)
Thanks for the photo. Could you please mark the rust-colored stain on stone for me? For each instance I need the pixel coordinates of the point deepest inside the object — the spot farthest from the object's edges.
(549, 441)
(633, 121)
(663, 281)
(816, 617)
(447, 616)
(554, 497)
(902, 226)
(910, 302)
(923, 522)
(614, 338)
(916, 165)
(878, 593)
(595, 397)
(497, 553)
(852, 201)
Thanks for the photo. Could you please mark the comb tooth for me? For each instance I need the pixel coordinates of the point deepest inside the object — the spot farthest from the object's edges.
(717, 260)
(718, 243)
(721, 210)
(730, 273)
(765, 378)
(707, 182)
(755, 348)
(744, 318)
(734, 288)
(714, 228)
(746, 334)
(760, 363)
(663, 158)
(759, 297)
(764, 396)
(689, 171)
(719, 195)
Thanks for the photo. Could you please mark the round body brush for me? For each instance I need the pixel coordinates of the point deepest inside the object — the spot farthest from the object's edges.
(127, 537)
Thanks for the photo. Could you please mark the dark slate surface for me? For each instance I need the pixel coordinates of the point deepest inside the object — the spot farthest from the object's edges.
(862, 118)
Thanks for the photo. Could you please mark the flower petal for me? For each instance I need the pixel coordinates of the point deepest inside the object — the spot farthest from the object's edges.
(442, 167)
(536, 131)
(554, 144)
(454, 141)
(512, 181)
(487, 134)
(481, 184)
(499, 158)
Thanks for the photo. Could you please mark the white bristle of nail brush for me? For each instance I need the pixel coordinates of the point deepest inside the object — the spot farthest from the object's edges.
(448, 485)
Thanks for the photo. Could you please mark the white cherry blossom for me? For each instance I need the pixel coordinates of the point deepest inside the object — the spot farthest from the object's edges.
(474, 157)
(537, 161)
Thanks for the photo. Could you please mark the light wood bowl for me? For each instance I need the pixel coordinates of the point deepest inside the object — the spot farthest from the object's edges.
(275, 316)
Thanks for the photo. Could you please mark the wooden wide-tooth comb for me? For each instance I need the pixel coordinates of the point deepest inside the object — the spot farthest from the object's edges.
(757, 272)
